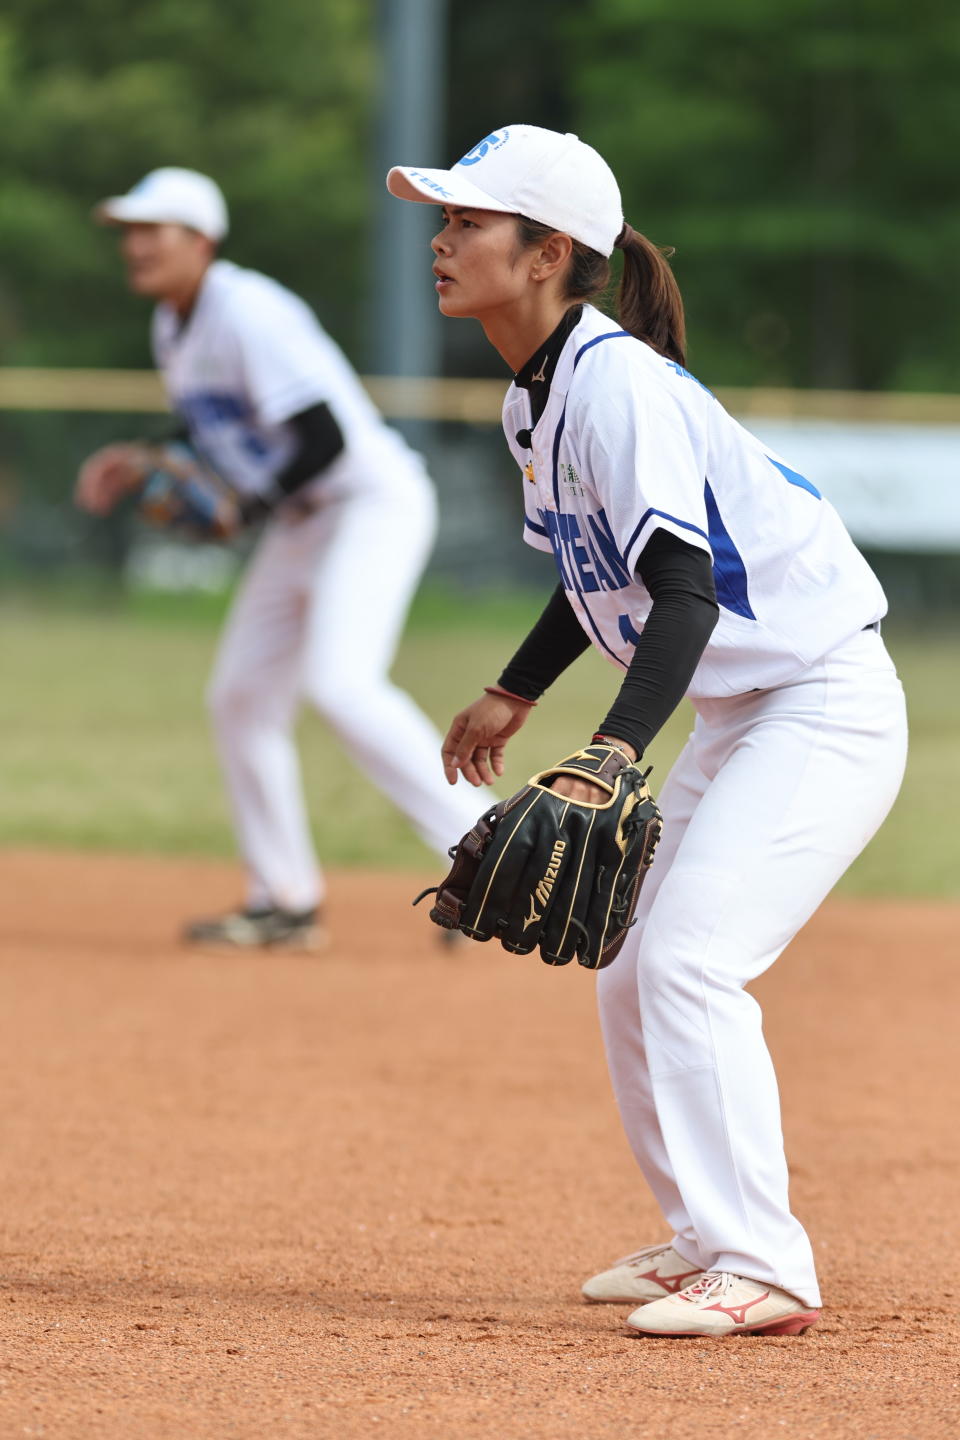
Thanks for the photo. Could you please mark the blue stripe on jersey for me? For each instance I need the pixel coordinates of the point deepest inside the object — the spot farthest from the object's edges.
(556, 457)
(685, 373)
(609, 335)
(684, 525)
(213, 407)
(729, 572)
(537, 529)
(799, 480)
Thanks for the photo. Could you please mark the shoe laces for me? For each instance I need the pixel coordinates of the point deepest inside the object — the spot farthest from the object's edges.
(710, 1283)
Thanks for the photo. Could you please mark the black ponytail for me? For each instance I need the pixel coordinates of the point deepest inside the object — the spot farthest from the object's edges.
(648, 304)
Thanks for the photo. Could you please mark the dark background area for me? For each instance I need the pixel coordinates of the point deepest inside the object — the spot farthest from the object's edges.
(801, 159)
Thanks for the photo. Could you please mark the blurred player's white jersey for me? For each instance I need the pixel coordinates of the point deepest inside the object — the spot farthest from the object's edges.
(319, 612)
(630, 443)
(251, 355)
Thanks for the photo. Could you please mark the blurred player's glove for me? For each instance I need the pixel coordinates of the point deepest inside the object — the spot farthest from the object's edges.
(543, 870)
(183, 495)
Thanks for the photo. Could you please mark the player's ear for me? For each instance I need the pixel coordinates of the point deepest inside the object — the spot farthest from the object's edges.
(553, 256)
(203, 243)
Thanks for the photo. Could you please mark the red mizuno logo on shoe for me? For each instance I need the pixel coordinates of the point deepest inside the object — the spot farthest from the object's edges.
(670, 1283)
(738, 1313)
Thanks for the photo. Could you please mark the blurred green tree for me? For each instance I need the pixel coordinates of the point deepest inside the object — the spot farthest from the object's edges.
(272, 100)
(801, 157)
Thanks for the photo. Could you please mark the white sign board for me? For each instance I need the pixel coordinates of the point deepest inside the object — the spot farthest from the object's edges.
(897, 487)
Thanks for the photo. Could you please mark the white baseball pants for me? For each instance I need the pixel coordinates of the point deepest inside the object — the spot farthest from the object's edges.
(774, 795)
(318, 618)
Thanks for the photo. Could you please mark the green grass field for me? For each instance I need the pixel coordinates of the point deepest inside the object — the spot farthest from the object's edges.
(106, 745)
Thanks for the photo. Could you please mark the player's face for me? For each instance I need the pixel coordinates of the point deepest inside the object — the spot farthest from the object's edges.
(163, 261)
(480, 264)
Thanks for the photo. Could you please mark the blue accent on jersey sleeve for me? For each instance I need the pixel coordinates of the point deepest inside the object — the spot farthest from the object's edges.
(674, 519)
(794, 478)
(686, 375)
(729, 571)
(537, 529)
(213, 407)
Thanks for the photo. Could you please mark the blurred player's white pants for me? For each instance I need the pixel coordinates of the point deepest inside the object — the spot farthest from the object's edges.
(774, 795)
(318, 618)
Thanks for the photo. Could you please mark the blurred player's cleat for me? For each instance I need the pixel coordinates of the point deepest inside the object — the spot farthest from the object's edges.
(451, 939)
(644, 1276)
(721, 1304)
(271, 929)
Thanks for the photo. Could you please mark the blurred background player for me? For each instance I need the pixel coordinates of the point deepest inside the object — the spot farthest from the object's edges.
(273, 406)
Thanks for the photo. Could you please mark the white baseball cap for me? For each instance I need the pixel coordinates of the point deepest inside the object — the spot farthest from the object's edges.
(170, 196)
(523, 170)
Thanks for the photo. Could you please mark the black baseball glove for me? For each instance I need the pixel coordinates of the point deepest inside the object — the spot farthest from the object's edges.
(543, 870)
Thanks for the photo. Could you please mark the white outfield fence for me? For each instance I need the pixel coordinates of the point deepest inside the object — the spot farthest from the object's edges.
(890, 462)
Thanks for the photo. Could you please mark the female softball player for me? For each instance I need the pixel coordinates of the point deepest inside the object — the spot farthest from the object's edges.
(698, 563)
(272, 404)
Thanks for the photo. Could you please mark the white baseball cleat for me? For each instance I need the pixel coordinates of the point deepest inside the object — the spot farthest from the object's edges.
(721, 1304)
(642, 1277)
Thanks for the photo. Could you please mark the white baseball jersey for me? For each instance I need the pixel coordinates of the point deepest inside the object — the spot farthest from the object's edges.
(630, 443)
(251, 355)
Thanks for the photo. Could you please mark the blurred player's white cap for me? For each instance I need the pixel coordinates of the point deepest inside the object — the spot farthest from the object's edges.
(523, 170)
(170, 196)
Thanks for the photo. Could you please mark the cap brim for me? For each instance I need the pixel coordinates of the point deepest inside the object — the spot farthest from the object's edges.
(129, 210)
(440, 187)
(142, 210)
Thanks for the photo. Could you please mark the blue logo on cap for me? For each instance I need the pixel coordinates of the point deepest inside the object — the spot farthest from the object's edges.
(490, 142)
(430, 183)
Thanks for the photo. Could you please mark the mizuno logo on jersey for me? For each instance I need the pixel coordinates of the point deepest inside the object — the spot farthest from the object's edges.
(543, 888)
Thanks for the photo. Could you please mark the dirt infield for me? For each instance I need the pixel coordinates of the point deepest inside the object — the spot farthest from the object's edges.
(355, 1195)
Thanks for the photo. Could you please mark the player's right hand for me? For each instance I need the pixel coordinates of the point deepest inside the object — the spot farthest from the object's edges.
(107, 476)
(474, 744)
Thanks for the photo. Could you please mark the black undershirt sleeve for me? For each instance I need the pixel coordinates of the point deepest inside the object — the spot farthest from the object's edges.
(679, 578)
(553, 644)
(319, 441)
